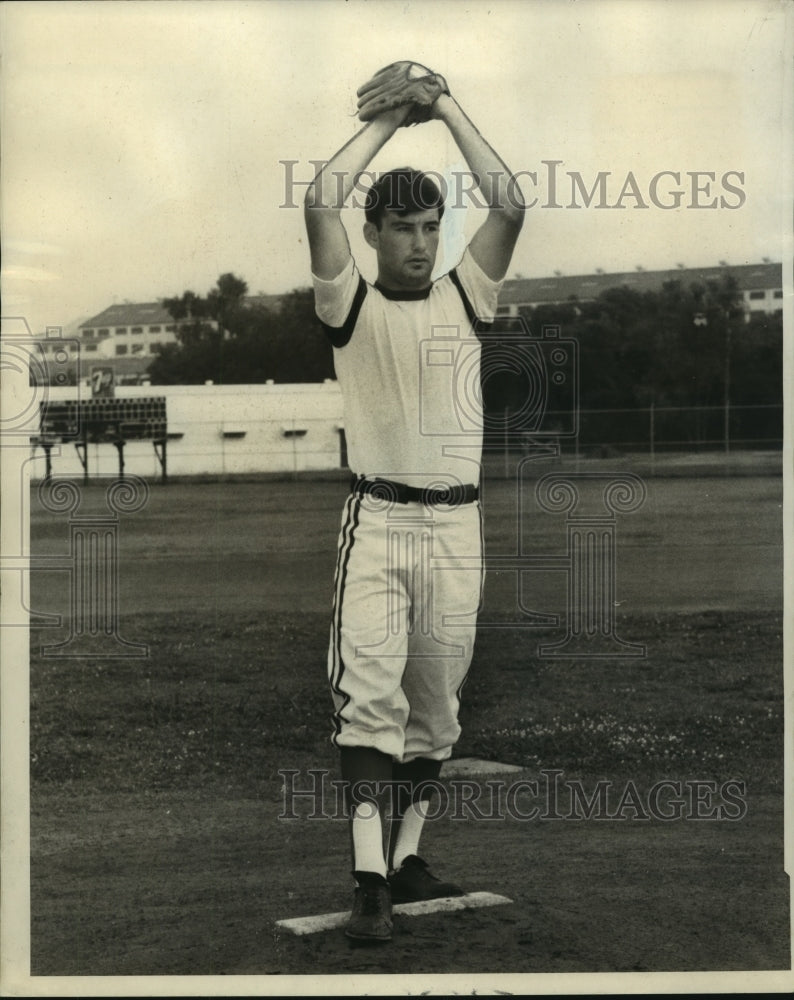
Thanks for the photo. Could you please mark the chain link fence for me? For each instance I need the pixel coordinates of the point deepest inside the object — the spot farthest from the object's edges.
(654, 429)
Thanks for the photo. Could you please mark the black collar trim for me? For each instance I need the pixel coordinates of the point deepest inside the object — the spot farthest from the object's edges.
(403, 294)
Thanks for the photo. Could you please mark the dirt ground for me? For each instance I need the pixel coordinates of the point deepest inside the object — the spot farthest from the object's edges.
(159, 840)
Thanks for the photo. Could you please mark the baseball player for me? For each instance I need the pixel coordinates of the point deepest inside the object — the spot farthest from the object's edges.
(409, 570)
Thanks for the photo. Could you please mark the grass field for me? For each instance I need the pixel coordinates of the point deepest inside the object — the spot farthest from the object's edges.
(156, 844)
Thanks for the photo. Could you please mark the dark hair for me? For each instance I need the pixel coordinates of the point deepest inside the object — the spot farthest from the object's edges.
(403, 191)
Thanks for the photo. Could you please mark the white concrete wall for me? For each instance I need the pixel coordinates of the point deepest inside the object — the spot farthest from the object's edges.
(262, 414)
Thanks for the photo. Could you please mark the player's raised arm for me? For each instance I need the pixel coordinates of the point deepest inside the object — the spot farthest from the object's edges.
(326, 195)
(493, 243)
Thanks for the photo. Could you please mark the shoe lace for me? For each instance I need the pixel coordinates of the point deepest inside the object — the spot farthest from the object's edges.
(371, 899)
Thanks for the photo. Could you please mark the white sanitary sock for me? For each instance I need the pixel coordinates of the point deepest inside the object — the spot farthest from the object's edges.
(410, 831)
(368, 839)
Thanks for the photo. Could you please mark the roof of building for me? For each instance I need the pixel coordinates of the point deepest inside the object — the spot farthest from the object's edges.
(130, 314)
(556, 288)
(149, 313)
(561, 288)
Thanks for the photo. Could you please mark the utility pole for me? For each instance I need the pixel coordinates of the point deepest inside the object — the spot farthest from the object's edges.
(727, 384)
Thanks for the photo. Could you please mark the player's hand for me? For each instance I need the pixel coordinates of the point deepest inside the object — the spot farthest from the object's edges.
(394, 117)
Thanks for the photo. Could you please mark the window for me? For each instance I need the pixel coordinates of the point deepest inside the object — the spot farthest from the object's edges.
(137, 329)
(121, 329)
(154, 329)
(171, 328)
(778, 293)
(137, 348)
(90, 348)
(121, 348)
(88, 333)
(104, 332)
(756, 295)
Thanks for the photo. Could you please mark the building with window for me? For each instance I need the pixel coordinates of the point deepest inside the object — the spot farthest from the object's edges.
(761, 286)
(125, 337)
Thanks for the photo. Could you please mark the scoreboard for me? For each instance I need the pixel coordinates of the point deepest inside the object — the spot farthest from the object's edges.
(104, 419)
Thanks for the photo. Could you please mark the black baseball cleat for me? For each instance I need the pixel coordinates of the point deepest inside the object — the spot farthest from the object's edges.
(371, 919)
(413, 882)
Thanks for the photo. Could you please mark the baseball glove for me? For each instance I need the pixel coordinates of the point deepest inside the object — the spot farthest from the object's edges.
(398, 84)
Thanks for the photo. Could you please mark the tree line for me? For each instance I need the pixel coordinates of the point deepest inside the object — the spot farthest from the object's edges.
(684, 345)
(228, 339)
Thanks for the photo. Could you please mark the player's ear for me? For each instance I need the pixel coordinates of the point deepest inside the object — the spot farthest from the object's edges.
(371, 234)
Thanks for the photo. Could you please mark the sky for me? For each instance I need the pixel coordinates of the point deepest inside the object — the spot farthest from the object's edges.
(149, 147)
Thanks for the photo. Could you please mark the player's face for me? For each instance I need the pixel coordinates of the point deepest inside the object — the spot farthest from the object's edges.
(406, 246)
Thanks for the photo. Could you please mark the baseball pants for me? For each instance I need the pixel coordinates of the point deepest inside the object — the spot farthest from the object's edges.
(407, 591)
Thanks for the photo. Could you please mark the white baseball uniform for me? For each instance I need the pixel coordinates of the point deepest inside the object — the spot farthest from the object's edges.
(409, 569)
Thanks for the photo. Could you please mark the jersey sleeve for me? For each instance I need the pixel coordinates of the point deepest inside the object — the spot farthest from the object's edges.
(333, 299)
(481, 290)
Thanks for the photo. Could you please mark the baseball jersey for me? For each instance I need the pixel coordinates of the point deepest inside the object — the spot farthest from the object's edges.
(408, 364)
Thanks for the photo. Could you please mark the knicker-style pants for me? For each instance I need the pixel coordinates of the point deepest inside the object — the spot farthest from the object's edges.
(407, 591)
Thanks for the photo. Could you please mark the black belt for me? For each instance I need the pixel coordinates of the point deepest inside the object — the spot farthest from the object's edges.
(385, 489)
